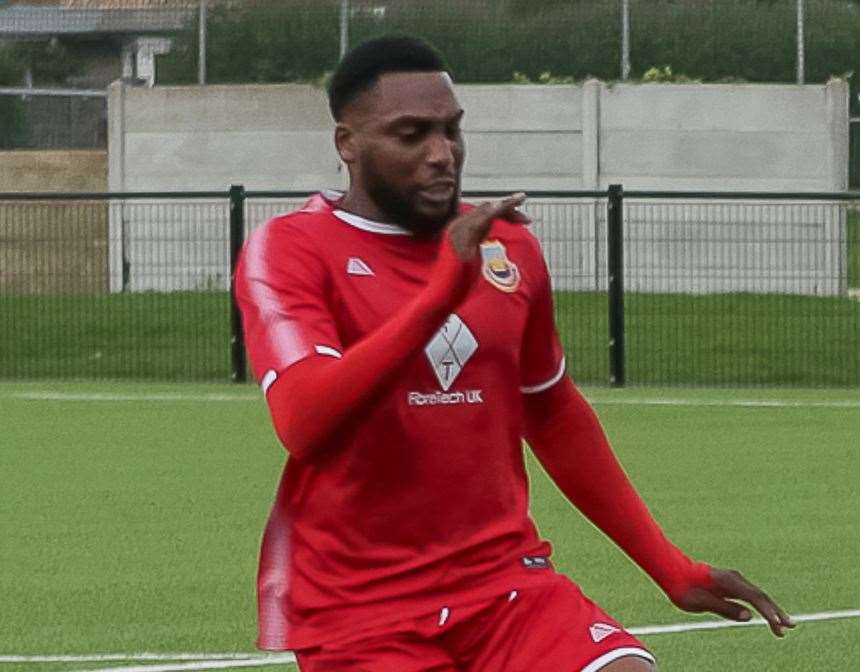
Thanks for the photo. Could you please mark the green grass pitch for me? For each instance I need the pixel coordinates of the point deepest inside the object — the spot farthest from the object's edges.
(132, 524)
(672, 339)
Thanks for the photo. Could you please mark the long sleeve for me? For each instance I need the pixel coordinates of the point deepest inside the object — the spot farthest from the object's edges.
(567, 438)
(313, 397)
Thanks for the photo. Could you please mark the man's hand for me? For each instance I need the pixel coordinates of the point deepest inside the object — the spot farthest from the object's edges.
(468, 231)
(727, 586)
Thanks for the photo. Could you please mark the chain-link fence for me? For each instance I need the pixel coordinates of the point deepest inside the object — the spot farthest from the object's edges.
(47, 120)
(549, 41)
(705, 290)
(536, 40)
(114, 289)
(81, 17)
(742, 292)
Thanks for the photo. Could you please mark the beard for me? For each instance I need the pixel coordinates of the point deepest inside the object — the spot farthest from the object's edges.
(401, 207)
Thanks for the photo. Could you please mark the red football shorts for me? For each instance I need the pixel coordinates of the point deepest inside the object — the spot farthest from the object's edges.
(550, 628)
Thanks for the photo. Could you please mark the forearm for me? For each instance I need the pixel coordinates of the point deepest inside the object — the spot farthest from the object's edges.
(566, 436)
(312, 399)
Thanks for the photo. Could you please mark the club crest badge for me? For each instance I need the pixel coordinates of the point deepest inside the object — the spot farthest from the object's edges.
(498, 270)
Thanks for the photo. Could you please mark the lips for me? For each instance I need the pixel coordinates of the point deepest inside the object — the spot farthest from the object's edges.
(442, 189)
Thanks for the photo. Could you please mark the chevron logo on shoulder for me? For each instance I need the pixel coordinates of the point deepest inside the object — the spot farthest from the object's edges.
(600, 631)
(355, 266)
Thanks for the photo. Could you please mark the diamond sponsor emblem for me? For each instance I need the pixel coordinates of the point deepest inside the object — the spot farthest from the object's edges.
(450, 349)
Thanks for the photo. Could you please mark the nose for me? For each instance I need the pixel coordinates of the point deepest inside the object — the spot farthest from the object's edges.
(441, 151)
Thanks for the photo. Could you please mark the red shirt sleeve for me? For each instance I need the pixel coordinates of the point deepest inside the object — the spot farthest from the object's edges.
(567, 438)
(542, 362)
(291, 323)
(282, 289)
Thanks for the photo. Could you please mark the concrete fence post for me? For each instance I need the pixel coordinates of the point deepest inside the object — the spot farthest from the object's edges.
(117, 254)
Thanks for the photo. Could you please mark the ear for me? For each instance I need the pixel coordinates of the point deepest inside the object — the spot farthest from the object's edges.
(344, 141)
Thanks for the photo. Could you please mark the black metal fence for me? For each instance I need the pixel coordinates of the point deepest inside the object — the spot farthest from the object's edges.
(651, 288)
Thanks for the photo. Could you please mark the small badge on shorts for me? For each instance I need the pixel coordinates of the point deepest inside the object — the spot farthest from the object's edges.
(535, 562)
(600, 631)
(498, 270)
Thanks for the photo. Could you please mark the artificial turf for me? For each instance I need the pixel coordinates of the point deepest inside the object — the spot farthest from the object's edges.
(671, 339)
(131, 517)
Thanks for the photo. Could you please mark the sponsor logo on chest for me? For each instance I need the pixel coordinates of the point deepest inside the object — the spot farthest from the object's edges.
(447, 353)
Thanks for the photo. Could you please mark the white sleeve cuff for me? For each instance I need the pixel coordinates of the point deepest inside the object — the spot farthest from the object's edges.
(540, 387)
(271, 375)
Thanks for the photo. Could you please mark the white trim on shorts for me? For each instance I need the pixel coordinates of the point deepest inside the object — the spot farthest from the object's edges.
(328, 351)
(615, 654)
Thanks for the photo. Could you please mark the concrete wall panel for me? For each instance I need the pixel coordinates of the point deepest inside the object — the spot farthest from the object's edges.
(702, 107)
(512, 156)
(702, 154)
(661, 137)
(505, 107)
(227, 108)
(258, 159)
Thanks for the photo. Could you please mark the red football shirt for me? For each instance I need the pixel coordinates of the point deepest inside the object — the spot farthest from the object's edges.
(423, 501)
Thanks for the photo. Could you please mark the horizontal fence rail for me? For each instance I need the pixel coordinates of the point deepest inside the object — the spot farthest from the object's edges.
(651, 287)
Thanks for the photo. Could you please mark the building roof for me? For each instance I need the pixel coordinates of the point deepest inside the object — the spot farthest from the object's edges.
(106, 4)
(77, 17)
(129, 4)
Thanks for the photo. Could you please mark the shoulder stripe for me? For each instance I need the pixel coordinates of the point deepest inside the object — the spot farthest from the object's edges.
(268, 380)
(283, 340)
(540, 387)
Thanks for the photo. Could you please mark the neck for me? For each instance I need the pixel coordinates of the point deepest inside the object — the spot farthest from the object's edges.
(359, 203)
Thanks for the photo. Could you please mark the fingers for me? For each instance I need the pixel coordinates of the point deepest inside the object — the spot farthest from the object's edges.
(776, 618)
(503, 209)
(704, 600)
(732, 584)
(468, 230)
(723, 596)
(507, 209)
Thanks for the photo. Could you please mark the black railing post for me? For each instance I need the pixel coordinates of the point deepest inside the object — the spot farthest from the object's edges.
(237, 239)
(615, 244)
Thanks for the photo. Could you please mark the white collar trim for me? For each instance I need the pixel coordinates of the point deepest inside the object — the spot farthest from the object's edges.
(369, 225)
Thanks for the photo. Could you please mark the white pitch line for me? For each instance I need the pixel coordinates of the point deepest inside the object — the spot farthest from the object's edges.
(280, 659)
(119, 657)
(109, 396)
(214, 661)
(717, 625)
(762, 403)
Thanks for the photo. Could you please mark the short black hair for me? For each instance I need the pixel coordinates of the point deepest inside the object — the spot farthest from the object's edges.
(361, 67)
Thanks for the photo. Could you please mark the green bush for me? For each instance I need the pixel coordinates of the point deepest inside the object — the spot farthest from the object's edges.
(12, 130)
(48, 63)
(490, 40)
(266, 42)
